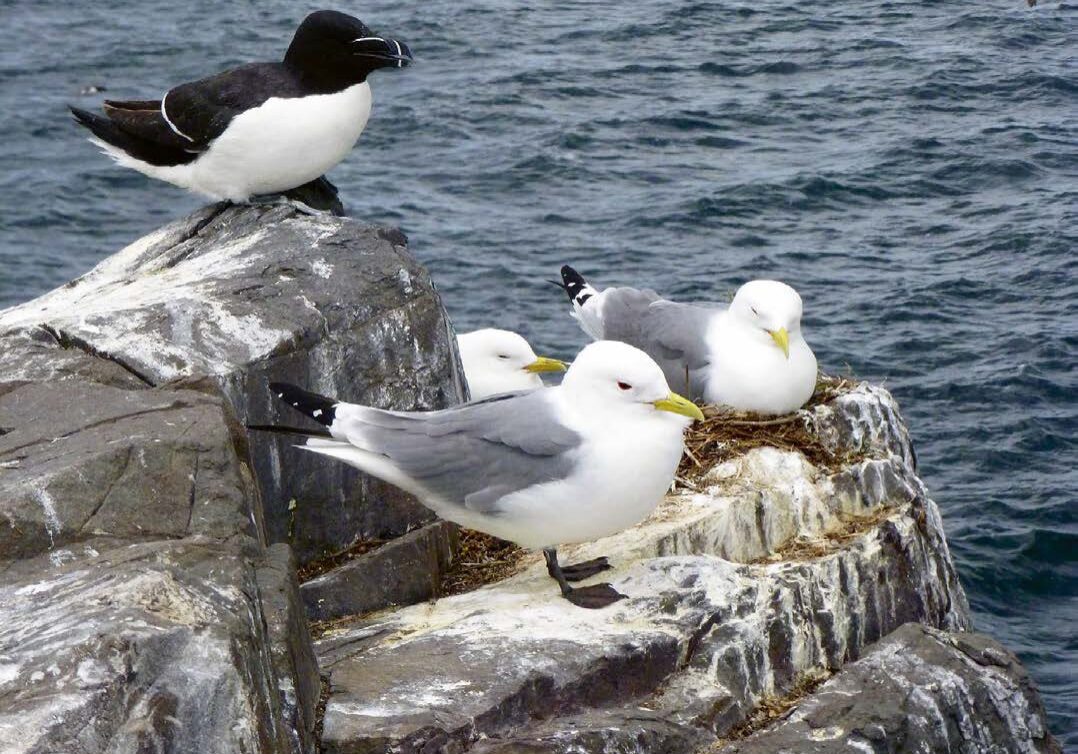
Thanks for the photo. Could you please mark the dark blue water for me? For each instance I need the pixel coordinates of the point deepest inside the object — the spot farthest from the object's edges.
(911, 168)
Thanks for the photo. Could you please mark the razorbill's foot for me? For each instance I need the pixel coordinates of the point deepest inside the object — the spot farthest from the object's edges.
(317, 197)
(261, 128)
(571, 463)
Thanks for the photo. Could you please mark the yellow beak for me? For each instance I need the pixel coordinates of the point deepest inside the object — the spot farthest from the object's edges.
(675, 404)
(543, 364)
(782, 338)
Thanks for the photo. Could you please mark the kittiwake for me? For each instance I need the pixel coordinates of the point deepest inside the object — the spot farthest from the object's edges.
(501, 361)
(542, 468)
(750, 356)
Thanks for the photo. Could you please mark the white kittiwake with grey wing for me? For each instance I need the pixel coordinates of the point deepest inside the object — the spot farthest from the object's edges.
(542, 468)
(750, 356)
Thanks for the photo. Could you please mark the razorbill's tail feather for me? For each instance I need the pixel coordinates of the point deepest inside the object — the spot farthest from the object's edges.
(111, 133)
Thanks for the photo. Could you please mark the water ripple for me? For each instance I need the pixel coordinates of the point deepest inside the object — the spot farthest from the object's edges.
(909, 167)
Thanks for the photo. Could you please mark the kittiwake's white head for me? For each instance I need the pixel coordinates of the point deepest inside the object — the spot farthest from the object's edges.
(770, 309)
(609, 377)
(500, 361)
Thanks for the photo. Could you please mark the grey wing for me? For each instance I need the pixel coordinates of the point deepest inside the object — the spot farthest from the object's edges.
(474, 455)
(671, 333)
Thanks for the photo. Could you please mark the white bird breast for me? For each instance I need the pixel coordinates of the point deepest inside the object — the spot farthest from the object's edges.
(283, 143)
(621, 475)
(279, 145)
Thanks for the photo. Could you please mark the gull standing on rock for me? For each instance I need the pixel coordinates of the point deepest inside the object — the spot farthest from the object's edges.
(750, 356)
(261, 128)
(500, 361)
(572, 463)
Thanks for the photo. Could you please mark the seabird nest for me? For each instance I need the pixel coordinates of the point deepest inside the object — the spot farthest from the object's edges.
(726, 434)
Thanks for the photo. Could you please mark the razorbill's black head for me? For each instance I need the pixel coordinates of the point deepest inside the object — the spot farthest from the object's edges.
(332, 50)
(261, 128)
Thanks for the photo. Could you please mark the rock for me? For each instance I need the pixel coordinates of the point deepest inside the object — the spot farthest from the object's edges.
(776, 570)
(863, 421)
(403, 571)
(156, 646)
(619, 731)
(294, 663)
(141, 610)
(82, 460)
(37, 354)
(917, 689)
(236, 296)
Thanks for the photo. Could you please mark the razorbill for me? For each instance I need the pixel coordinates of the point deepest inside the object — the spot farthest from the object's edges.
(261, 128)
(750, 356)
(501, 361)
(571, 463)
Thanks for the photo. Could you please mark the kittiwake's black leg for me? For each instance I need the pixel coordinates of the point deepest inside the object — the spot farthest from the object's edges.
(596, 596)
(587, 569)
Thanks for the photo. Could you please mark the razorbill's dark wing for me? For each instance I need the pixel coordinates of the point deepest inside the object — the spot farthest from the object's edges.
(174, 129)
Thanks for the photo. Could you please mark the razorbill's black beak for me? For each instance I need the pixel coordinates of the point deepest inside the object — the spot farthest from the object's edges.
(389, 52)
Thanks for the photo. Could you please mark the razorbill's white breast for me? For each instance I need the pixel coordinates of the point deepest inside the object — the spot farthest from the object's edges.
(261, 128)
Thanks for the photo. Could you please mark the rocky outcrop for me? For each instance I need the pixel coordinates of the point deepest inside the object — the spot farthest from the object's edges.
(294, 665)
(84, 460)
(232, 297)
(775, 569)
(142, 608)
(145, 607)
(158, 646)
(917, 690)
(403, 571)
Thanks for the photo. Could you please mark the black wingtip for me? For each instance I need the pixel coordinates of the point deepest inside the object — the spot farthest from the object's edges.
(575, 286)
(318, 407)
(281, 429)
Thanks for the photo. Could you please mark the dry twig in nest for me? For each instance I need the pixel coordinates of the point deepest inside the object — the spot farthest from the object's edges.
(771, 708)
(853, 527)
(317, 567)
(725, 434)
(480, 560)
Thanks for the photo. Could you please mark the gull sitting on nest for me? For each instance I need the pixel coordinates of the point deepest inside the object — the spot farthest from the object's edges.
(750, 356)
(501, 361)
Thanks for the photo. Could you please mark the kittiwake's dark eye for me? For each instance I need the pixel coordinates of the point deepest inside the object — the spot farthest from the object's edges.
(502, 356)
(624, 386)
(754, 311)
